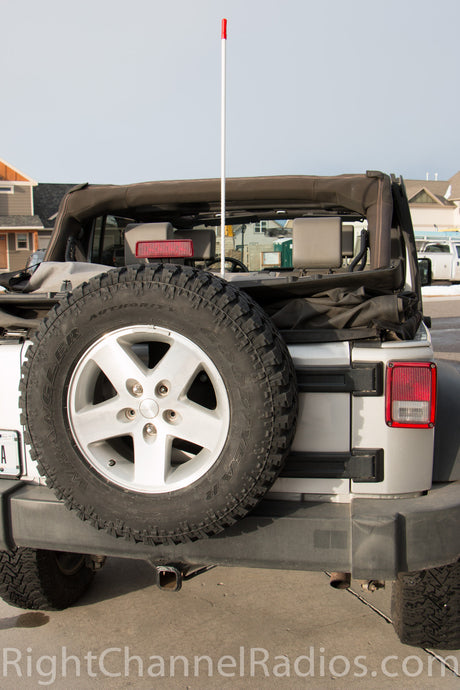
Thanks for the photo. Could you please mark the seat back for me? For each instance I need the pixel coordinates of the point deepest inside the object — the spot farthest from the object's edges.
(204, 242)
(317, 242)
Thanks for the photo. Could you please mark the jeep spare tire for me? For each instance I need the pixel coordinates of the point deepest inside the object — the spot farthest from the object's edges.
(159, 402)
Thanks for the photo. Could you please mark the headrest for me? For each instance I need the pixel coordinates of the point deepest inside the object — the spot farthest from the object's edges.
(317, 242)
(204, 242)
(139, 232)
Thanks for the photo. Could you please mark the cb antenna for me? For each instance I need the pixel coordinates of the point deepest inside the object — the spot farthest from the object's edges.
(222, 146)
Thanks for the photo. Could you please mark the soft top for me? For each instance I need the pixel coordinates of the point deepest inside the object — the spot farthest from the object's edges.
(368, 195)
(379, 301)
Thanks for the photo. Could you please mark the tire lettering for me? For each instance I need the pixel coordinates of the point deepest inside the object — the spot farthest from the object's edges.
(231, 471)
(213, 492)
(60, 352)
(47, 393)
(72, 337)
(51, 373)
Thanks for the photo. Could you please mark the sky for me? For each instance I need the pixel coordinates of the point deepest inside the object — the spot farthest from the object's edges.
(119, 91)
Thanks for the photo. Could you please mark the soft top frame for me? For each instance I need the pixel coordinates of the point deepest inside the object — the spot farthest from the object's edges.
(368, 195)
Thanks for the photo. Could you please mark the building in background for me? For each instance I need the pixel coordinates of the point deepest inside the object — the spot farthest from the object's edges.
(47, 197)
(27, 211)
(435, 204)
(18, 224)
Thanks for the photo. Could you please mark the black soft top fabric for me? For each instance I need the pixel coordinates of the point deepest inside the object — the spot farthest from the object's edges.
(369, 195)
(342, 306)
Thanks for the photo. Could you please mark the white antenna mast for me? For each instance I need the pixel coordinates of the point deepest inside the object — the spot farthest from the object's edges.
(222, 149)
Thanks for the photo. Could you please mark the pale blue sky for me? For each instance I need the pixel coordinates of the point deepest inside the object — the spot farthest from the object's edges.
(123, 91)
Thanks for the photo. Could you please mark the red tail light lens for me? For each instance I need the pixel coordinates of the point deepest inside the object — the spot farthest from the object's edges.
(164, 249)
(411, 394)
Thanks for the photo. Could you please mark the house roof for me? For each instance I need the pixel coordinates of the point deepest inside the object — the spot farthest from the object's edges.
(455, 182)
(20, 222)
(47, 197)
(438, 199)
(435, 188)
(438, 187)
(10, 174)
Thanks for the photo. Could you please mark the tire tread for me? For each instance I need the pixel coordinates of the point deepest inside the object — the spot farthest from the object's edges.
(30, 579)
(271, 361)
(426, 607)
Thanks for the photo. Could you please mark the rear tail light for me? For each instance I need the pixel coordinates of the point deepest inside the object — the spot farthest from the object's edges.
(411, 394)
(164, 249)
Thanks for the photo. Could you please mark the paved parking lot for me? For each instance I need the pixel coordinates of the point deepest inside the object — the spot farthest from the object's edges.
(245, 628)
(232, 627)
(445, 330)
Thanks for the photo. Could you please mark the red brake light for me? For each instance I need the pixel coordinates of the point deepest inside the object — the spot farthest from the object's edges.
(164, 249)
(411, 394)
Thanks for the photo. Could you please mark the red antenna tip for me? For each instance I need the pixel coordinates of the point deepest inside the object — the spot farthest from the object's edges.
(224, 29)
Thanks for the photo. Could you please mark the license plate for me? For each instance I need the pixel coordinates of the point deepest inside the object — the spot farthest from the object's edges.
(10, 465)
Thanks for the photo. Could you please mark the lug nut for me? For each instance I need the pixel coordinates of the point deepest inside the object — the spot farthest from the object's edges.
(170, 416)
(162, 389)
(137, 390)
(130, 413)
(150, 430)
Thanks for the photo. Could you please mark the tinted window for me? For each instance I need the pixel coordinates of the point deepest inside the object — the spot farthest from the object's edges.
(437, 248)
(108, 240)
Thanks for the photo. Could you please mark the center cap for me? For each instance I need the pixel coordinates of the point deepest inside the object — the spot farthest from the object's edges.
(149, 408)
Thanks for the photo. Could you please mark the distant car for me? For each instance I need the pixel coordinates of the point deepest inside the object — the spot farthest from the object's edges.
(444, 256)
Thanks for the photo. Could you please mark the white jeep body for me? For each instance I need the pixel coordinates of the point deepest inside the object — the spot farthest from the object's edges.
(327, 423)
(358, 492)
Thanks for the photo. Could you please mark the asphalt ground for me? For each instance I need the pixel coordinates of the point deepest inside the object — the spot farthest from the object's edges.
(231, 627)
(445, 327)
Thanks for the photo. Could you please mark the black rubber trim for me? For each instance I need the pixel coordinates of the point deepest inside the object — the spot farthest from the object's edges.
(361, 465)
(362, 379)
(327, 335)
(7, 488)
(370, 537)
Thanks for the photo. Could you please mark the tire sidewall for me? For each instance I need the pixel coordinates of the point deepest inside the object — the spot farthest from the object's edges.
(225, 342)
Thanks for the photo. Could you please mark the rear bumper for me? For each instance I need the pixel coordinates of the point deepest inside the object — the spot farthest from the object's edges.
(371, 538)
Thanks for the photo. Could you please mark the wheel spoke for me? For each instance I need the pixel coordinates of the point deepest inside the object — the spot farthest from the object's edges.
(118, 364)
(152, 460)
(178, 366)
(99, 422)
(198, 424)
